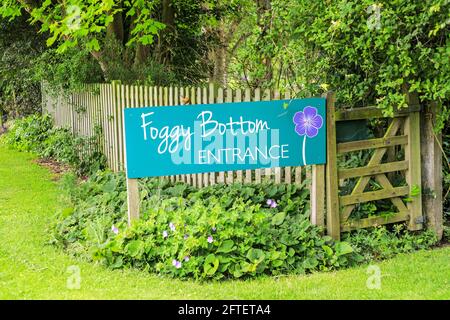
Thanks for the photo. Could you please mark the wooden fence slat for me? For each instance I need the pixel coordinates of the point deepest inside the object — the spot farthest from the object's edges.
(373, 221)
(230, 174)
(372, 143)
(373, 195)
(248, 173)
(239, 173)
(199, 101)
(212, 93)
(372, 112)
(220, 99)
(267, 171)
(287, 170)
(205, 101)
(258, 172)
(373, 169)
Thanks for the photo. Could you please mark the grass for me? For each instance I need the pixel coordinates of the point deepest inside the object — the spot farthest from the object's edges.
(30, 269)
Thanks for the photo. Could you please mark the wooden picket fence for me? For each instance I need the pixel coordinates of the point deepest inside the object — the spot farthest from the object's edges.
(100, 105)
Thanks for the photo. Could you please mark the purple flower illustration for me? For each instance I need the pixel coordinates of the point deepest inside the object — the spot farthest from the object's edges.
(176, 263)
(186, 258)
(186, 236)
(165, 234)
(210, 239)
(172, 226)
(213, 229)
(114, 229)
(307, 124)
(271, 203)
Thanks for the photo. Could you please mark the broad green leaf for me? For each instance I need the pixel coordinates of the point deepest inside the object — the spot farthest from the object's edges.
(343, 248)
(226, 246)
(278, 218)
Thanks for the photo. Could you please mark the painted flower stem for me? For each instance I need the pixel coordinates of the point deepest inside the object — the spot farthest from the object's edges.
(304, 150)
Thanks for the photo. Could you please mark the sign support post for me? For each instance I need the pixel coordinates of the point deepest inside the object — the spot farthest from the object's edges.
(133, 200)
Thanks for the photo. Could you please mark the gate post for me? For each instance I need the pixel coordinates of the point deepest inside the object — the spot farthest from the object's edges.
(412, 155)
(431, 170)
(333, 218)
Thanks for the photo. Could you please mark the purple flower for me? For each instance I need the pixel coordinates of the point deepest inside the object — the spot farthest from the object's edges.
(172, 226)
(213, 229)
(308, 122)
(114, 229)
(176, 263)
(186, 236)
(186, 258)
(210, 239)
(165, 234)
(271, 203)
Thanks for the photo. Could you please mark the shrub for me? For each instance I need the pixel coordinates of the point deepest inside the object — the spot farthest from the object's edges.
(382, 242)
(37, 134)
(30, 133)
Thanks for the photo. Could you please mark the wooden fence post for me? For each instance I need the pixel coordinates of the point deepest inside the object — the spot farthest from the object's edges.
(412, 155)
(318, 195)
(333, 218)
(431, 170)
(133, 199)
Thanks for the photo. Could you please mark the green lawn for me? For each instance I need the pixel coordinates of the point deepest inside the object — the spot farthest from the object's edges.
(30, 269)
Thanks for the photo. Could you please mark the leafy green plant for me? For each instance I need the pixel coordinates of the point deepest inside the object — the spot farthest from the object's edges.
(221, 231)
(37, 134)
(216, 232)
(382, 242)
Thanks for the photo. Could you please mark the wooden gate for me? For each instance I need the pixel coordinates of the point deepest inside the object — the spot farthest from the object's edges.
(396, 152)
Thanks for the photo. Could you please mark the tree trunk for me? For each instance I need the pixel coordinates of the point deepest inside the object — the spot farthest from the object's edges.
(168, 18)
(219, 57)
(115, 28)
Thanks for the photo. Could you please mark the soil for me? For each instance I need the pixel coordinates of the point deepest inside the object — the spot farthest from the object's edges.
(58, 169)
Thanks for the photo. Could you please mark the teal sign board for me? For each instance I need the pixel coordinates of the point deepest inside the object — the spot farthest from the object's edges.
(171, 140)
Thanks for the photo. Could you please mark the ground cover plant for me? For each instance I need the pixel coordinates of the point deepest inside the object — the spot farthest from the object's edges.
(214, 232)
(221, 231)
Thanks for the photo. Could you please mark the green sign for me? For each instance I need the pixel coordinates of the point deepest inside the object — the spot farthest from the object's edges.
(162, 141)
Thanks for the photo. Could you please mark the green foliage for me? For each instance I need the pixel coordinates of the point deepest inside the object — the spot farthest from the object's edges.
(36, 134)
(221, 231)
(381, 243)
(368, 52)
(214, 232)
(66, 72)
(446, 234)
(19, 46)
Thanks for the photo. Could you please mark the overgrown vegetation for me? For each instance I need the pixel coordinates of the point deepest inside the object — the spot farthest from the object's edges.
(36, 134)
(214, 232)
(20, 45)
